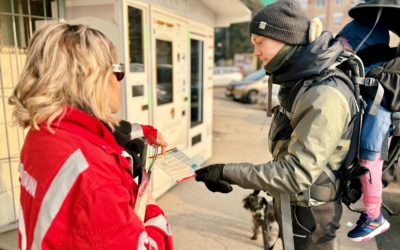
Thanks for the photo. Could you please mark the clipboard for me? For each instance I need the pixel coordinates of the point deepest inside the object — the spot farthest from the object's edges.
(176, 165)
(144, 188)
(173, 162)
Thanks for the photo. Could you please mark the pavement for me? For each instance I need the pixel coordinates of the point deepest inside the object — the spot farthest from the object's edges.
(202, 220)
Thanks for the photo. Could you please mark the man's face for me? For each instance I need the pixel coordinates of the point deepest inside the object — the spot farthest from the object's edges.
(265, 48)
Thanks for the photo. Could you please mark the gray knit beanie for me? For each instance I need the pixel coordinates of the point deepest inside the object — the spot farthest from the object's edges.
(284, 21)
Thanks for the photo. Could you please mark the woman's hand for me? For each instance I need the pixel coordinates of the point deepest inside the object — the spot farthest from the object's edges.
(161, 142)
(150, 199)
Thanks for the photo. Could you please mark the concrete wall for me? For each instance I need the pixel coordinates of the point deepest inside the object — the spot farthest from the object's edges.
(193, 10)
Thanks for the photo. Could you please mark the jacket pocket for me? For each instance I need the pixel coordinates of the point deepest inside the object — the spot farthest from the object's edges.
(280, 130)
(324, 190)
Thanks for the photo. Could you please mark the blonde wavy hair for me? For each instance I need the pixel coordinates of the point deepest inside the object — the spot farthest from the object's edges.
(66, 65)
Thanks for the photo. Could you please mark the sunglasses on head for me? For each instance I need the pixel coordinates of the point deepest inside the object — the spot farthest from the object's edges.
(118, 70)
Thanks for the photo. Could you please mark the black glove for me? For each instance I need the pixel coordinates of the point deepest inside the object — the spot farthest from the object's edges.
(133, 149)
(122, 135)
(213, 178)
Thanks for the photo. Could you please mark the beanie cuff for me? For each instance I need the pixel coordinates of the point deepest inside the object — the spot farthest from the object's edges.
(289, 37)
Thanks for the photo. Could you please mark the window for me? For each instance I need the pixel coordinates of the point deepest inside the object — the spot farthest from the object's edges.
(337, 18)
(164, 72)
(323, 19)
(27, 15)
(321, 3)
(196, 82)
(339, 2)
(135, 32)
(33, 7)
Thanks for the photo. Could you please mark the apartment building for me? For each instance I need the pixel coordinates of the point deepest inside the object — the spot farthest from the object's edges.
(333, 13)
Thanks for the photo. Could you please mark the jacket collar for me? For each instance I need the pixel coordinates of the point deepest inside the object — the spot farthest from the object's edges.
(87, 126)
(309, 61)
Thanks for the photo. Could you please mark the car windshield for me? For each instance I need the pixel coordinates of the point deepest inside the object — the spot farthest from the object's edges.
(255, 76)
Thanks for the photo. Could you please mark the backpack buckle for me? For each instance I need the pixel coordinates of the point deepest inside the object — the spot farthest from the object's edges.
(369, 82)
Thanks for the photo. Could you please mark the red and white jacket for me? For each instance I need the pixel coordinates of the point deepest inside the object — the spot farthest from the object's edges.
(77, 191)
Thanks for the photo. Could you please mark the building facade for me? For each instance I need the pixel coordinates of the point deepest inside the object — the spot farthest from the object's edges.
(332, 13)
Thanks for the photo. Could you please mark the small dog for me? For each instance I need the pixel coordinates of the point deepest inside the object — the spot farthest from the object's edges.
(262, 212)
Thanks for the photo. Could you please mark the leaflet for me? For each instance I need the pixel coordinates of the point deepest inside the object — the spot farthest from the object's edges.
(176, 164)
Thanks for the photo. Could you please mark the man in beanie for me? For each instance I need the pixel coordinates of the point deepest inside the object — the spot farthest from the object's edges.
(310, 134)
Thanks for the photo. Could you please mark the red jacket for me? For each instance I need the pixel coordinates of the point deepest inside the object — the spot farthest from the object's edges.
(77, 191)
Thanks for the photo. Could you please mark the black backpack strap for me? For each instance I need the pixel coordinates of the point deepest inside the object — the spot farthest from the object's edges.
(396, 123)
(371, 82)
(322, 192)
(393, 158)
(356, 122)
(398, 50)
(287, 103)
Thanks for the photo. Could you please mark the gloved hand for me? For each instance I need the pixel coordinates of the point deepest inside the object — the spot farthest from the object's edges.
(212, 176)
(122, 132)
(133, 147)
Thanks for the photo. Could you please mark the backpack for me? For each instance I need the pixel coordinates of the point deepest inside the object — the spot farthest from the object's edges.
(388, 75)
(382, 83)
(346, 181)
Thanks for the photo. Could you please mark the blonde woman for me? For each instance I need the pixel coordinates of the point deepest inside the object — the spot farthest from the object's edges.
(77, 190)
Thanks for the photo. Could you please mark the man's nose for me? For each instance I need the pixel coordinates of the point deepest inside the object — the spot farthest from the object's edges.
(257, 52)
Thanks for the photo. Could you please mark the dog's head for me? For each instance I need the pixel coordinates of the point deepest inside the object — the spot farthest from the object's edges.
(252, 202)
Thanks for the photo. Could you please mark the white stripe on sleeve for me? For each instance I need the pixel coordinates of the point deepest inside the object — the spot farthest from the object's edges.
(137, 131)
(153, 244)
(21, 228)
(159, 222)
(55, 195)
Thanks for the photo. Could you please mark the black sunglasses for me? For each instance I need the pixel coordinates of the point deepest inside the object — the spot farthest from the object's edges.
(118, 70)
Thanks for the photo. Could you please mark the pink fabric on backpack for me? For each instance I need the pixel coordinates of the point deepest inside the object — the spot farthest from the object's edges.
(371, 186)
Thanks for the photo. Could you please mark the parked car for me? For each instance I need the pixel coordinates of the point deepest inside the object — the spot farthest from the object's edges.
(223, 75)
(262, 100)
(247, 89)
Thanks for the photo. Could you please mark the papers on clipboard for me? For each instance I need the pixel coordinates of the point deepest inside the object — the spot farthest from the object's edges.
(176, 164)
